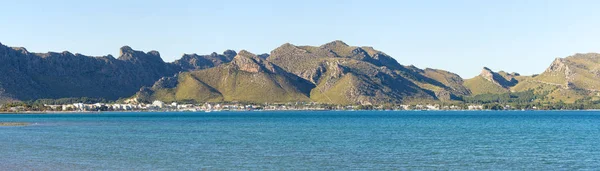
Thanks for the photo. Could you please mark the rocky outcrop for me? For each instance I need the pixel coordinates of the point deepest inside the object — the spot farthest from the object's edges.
(579, 71)
(190, 62)
(367, 54)
(558, 65)
(249, 62)
(166, 82)
(501, 79)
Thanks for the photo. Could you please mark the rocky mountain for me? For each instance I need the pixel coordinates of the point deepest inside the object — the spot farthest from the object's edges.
(247, 78)
(333, 73)
(346, 74)
(342, 76)
(190, 62)
(489, 81)
(29, 76)
(567, 79)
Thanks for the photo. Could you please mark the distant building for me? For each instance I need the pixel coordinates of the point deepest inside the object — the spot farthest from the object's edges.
(158, 104)
(475, 107)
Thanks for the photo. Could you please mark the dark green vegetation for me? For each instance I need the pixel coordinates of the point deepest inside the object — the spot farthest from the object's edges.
(22, 106)
(40, 104)
(85, 100)
(333, 73)
(518, 97)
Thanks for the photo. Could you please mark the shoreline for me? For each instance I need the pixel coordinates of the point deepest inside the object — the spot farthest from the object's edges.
(105, 112)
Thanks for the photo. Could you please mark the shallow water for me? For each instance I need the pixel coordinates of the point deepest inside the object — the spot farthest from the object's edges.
(312, 140)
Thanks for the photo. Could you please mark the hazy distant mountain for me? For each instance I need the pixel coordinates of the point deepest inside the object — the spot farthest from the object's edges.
(190, 62)
(29, 76)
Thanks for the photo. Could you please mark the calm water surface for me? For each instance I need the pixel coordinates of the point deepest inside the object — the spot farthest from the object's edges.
(566, 140)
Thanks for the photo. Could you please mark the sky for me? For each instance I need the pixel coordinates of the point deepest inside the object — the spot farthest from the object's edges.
(461, 36)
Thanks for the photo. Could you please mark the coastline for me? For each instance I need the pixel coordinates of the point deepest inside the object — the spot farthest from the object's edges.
(140, 111)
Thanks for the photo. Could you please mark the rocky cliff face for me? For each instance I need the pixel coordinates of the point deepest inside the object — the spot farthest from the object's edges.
(247, 78)
(346, 74)
(29, 76)
(249, 62)
(579, 71)
(490, 82)
(501, 79)
(190, 62)
(558, 65)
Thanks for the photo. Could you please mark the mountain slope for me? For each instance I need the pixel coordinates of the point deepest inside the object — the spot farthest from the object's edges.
(379, 77)
(490, 82)
(446, 85)
(248, 78)
(30, 76)
(334, 73)
(342, 77)
(567, 79)
(190, 62)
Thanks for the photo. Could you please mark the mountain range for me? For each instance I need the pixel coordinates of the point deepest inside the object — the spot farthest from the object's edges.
(333, 73)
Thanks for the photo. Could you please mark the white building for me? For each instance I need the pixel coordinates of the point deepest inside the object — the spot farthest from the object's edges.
(159, 104)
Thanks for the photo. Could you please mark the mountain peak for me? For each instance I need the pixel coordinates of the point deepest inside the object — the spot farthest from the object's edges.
(558, 65)
(126, 53)
(336, 43)
(287, 44)
(124, 50)
(488, 74)
(501, 78)
(249, 62)
(245, 53)
(230, 53)
(153, 52)
(67, 53)
(21, 49)
(287, 48)
(248, 55)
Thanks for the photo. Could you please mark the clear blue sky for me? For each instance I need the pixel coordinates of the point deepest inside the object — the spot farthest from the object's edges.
(457, 35)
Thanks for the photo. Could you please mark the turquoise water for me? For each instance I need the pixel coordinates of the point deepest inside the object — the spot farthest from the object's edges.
(566, 140)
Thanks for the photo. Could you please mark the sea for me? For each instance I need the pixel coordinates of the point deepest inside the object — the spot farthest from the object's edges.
(303, 140)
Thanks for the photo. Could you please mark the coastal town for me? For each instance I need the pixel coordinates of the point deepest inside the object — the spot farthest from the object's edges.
(159, 106)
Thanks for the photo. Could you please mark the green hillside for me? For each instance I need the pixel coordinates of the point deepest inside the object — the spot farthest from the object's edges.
(479, 85)
(246, 79)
